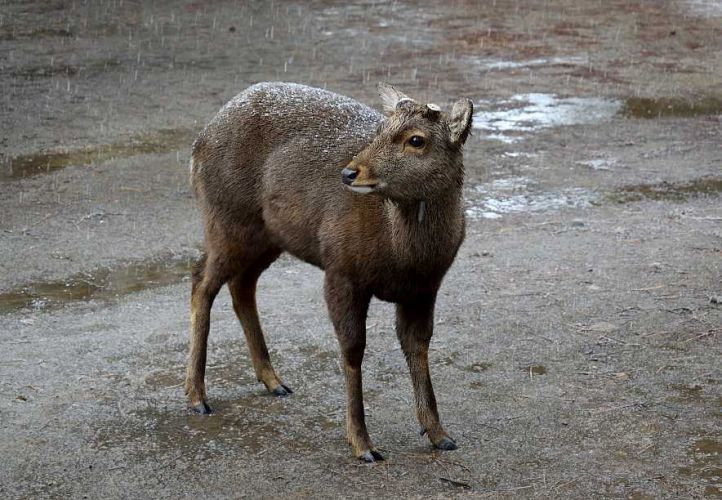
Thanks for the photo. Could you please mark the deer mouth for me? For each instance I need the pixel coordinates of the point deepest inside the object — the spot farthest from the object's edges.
(357, 180)
(362, 188)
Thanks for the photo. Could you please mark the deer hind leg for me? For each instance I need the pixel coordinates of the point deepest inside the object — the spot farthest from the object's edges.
(209, 276)
(347, 307)
(243, 292)
(414, 328)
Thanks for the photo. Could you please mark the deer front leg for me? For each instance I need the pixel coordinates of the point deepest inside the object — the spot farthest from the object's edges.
(347, 307)
(414, 328)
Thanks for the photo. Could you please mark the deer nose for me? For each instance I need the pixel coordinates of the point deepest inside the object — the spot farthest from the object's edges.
(348, 176)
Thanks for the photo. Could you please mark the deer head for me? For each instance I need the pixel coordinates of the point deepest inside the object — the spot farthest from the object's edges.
(416, 153)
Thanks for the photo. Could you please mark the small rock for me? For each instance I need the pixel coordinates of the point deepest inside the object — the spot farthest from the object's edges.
(715, 299)
(479, 367)
(577, 223)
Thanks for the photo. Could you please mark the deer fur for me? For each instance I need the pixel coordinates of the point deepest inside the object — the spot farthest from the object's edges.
(285, 167)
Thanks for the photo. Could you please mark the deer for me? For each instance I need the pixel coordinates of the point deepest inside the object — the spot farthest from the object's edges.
(372, 199)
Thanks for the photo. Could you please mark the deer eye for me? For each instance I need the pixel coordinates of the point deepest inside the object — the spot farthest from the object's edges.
(416, 141)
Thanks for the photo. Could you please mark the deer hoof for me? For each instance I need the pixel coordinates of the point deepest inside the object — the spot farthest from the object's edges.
(446, 443)
(201, 408)
(371, 456)
(282, 390)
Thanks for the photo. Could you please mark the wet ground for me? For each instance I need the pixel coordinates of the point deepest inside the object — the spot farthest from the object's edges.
(578, 335)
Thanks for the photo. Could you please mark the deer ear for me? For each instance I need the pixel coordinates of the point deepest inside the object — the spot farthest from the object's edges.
(460, 121)
(390, 97)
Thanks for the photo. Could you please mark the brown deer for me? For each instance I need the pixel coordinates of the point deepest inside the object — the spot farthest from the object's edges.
(374, 201)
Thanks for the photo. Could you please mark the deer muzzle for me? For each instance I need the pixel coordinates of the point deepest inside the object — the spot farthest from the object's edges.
(357, 178)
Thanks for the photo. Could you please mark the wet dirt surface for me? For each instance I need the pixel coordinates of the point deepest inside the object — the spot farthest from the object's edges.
(104, 284)
(160, 141)
(578, 339)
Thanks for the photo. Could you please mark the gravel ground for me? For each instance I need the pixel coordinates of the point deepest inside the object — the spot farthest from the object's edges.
(577, 345)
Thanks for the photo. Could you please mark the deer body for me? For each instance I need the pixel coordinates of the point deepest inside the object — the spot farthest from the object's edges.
(276, 171)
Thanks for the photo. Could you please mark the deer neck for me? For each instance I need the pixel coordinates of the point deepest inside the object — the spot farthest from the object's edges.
(425, 230)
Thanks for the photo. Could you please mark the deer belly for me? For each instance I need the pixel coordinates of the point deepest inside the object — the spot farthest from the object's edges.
(293, 228)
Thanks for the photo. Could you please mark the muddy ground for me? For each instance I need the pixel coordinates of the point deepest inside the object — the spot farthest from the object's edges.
(578, 335)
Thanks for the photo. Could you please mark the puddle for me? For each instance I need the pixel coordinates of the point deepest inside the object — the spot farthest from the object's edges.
(501, 65)
(320, 423)
(567, 198)
(706, 456)
(249, 425)
(152, 430)
(66, 70)
(160, 141)
(164, 379)
(708, 448)
(32, 72)
(525, 114)
(512, 195)
(689, 393)
(519, 154)
(315, 358)
(518, 194)
(8, 35)
(599, 163)
(103, 284)
(528, 113)
(666, 191)
(703, 8)
(660, 107)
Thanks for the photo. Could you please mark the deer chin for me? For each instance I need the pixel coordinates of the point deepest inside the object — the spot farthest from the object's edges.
(362, 189)
(365, 188)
